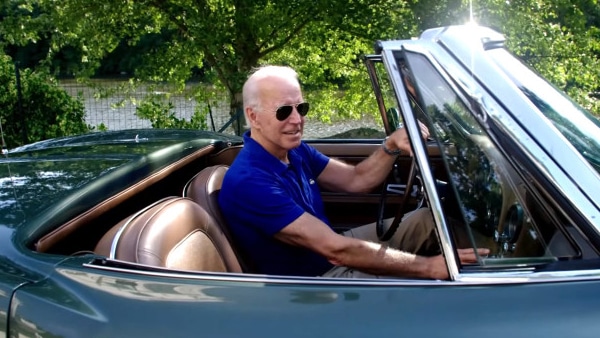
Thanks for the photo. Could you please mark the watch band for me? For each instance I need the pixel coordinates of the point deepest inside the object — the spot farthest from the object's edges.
(394, 152)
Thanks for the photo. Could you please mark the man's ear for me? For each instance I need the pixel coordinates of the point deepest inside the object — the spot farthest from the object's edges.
(250, 116)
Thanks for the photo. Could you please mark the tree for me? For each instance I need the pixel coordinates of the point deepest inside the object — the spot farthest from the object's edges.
(322, 39)
(35, 108)
(562, 41)
(558, 38)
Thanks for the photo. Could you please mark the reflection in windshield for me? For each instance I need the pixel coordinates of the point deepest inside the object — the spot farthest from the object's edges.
(578, 126)
(471, 171)
(491, 201)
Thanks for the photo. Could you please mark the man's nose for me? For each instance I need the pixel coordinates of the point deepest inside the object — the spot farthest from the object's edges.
(295, 116)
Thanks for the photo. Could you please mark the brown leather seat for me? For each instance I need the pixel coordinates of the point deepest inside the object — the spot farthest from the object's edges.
(204, 189)
(174, 233)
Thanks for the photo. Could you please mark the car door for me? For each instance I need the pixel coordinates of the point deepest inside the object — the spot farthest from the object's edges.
(88, 298)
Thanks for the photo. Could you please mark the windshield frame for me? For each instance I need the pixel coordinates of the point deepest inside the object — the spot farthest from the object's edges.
(491, 99)
(575, 123)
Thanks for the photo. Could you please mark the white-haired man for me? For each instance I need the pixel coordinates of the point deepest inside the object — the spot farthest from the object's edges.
(271, 198)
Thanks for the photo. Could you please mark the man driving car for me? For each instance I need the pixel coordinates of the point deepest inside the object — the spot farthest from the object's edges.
(271, 199)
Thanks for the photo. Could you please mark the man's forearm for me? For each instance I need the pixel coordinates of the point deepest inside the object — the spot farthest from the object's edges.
(376, 259)
(373, 170)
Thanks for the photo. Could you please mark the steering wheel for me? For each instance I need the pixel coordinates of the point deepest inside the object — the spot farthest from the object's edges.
(386, 235)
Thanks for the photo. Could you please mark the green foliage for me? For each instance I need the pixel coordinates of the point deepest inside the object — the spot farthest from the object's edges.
(558, 38)
(322, 39)
(159, 111)
(224, 38)
(45, 110)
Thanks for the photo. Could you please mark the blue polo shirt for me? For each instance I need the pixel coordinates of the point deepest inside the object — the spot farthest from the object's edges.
(261, 195)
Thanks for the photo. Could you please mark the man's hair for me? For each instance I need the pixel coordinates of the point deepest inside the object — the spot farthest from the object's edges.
(250, 92)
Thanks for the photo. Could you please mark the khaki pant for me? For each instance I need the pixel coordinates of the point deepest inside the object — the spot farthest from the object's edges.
(416, 234)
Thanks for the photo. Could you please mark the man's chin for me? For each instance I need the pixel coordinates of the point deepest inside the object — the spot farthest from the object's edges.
(293, 140)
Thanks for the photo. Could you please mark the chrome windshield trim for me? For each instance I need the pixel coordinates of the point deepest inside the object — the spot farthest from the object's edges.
(533, 141)
(553, 171)
(559, 107)
(420, 154)
(532, 146)
(459, 61)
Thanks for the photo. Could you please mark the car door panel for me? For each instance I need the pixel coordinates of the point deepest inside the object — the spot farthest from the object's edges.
(106, 302)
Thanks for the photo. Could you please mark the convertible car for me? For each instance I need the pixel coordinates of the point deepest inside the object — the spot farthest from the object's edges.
(117, 234)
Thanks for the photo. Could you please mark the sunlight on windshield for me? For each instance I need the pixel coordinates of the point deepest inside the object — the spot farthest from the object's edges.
(578, 126)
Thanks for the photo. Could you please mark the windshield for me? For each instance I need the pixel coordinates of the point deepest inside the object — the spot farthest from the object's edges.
(578, 126)
(487, 203)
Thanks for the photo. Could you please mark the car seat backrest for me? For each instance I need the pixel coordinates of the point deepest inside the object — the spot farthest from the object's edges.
(204, 189)
(174, 233)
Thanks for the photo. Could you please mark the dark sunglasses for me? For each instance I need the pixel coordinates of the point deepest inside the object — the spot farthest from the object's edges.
(284, 112)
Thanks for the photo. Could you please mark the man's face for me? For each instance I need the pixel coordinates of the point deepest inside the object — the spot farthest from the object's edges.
(278, 136)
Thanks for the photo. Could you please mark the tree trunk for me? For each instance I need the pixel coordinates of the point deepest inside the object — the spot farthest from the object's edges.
(236, 111)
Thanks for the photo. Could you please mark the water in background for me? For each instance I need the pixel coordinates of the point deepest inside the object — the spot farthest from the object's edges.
(117, 110)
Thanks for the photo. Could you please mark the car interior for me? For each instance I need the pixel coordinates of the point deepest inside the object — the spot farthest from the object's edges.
(171, 219)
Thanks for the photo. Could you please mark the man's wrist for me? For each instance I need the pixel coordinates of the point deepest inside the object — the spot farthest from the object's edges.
(391, 152)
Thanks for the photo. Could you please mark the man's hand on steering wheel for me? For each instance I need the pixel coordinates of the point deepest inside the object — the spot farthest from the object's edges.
(399, 139)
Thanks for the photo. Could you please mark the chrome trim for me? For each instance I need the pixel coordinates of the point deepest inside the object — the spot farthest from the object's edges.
(115, 242)
(530, 277)
(539, 128)
(265, 279)
(551, 170)
(470, 279)
(546, 155)
(549, 165)
(370, 61)
(189, 183)
(421, 156)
